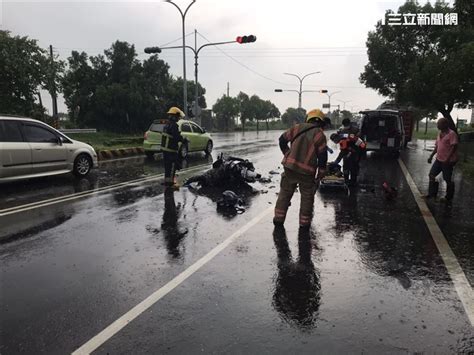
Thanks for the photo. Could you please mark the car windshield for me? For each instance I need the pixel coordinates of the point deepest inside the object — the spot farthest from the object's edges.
(157, 127)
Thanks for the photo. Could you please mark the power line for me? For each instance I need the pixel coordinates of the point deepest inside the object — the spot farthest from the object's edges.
(101, 49)
(244, 65)
(176, 40)
(274, 56)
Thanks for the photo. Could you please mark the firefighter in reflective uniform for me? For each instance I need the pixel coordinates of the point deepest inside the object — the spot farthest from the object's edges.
(306, 157)
(171, 137)
(351, 147)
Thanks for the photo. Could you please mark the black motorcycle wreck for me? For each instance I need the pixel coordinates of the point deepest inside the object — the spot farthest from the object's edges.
(226, 184)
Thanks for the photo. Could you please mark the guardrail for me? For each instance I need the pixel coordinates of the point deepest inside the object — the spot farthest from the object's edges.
(78, 130)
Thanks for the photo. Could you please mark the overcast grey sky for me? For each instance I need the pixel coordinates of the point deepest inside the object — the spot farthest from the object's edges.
(298, 36)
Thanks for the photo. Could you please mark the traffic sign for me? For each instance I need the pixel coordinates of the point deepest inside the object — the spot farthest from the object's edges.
(326, 106)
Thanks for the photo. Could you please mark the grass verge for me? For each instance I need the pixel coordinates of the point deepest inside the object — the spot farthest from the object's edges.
(108, 140)
(431, 134)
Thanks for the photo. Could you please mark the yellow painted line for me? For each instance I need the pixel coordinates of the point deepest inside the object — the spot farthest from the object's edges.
(459, 279)
(128, 317)
(52, 201)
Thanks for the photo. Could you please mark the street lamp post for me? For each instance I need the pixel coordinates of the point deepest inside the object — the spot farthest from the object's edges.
(329, 98)
(300, 91)
(185, 86)
(344, 102)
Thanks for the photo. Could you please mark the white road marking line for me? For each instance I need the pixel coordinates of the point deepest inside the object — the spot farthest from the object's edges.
(461, 284)
(52, 201)
(128, 317)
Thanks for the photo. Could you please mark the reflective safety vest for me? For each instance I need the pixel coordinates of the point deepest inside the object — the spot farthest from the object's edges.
(303, 154)
(166, 143)
(351, 140)
(170, 137)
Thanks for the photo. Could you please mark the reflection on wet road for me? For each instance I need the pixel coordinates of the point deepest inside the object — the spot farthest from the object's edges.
(297, 288)
(366, 278)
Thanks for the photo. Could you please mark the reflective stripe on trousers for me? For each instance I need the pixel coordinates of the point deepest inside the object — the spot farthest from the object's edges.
(289, 181)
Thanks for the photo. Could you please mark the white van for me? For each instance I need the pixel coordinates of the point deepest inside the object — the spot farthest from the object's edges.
(30, 148)
(383, 131)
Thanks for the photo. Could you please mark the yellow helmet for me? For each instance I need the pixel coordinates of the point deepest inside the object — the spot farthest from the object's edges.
(315, 114)
(175, 111)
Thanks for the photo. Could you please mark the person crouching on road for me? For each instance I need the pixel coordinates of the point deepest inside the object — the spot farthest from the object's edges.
(446, 157)
(306, 156)
(351, 148)
(171, 137)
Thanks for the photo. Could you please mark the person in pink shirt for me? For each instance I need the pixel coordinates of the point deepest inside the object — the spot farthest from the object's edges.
(446, 157)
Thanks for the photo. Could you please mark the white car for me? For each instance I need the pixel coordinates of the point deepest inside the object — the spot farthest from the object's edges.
(30, 148)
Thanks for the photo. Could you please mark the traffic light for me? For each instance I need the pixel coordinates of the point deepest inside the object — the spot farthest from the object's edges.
(324, 91)
(278, 90)
(151, 50)
(246, 39)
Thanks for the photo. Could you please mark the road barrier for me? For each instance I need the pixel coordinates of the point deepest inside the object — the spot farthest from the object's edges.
(119, 153)
(78, 130)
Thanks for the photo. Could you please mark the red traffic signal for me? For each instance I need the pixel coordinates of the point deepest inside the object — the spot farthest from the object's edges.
(246, 39)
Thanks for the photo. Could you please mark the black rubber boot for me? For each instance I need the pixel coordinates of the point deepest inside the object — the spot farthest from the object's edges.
(433, 188)
(278, 222)
(449, 192)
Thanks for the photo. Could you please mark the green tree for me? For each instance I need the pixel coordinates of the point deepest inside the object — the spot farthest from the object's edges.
(175, 93)
(79, 86)
(116, 92)
(24, 71)
(347, 114)
(246, 110)
(269, 111)
(293, 116)
(430, 67)
(226, 109)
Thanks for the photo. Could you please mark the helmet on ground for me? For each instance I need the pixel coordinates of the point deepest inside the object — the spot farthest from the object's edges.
(316, 115)
(175, 111)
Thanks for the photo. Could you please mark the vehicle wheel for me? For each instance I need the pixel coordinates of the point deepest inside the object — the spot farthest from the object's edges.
(82, 165)
(209, 146)
(183, 151)
(150, 155)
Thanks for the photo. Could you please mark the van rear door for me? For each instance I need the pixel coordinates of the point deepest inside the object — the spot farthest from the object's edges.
(382, 130)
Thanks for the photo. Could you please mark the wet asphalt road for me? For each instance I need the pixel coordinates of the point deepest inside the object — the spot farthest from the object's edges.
(367, 278)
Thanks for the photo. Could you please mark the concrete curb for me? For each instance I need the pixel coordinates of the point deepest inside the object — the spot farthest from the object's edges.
(119, 153)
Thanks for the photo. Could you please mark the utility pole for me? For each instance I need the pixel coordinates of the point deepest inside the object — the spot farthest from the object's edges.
(53, 88)
(228, 89)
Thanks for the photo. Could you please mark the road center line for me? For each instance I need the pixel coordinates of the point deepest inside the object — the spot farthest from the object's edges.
(459, 279)
(55, 200)
(128, 317)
